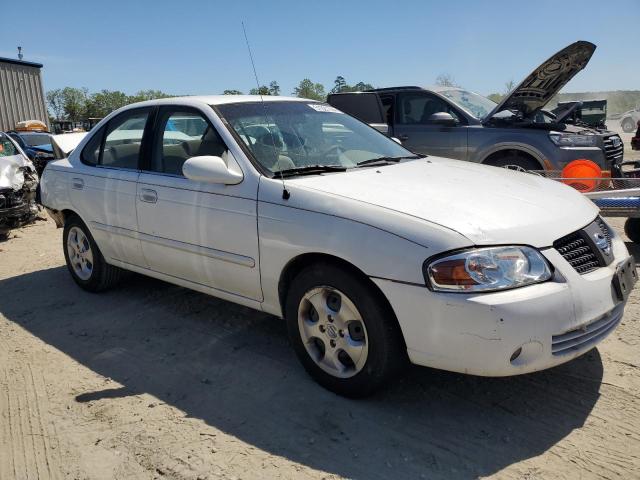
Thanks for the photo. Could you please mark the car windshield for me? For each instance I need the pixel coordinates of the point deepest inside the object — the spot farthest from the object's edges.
(35, 139)
(286, 135)
(475, 104)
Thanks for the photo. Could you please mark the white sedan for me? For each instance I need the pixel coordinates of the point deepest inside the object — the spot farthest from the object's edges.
(372, 254)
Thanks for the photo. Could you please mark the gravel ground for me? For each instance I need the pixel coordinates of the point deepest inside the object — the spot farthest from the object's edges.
(154, 381)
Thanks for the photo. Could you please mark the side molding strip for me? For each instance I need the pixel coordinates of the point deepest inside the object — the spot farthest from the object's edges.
(177, 245)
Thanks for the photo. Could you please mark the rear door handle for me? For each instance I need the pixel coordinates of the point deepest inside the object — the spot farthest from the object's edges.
(148, 195)
(77, 183)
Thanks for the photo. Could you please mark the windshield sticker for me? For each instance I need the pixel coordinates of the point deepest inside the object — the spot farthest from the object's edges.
(319, 107)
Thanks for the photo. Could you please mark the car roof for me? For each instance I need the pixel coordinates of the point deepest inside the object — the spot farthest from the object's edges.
(224, 99)
(430, 88)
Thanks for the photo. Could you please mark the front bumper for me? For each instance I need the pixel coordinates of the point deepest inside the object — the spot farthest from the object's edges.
(548, 323)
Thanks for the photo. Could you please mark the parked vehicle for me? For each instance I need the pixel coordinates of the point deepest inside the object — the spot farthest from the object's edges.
(591, 113)
(18, 184)
(36, 145)
(629, 120)
(457, 123)
(371, 253)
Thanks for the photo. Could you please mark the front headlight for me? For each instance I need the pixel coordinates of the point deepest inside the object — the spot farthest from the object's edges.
(487, 269)
(572, 139)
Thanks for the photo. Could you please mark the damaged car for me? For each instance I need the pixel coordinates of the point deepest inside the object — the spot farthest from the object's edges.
(457, 123)
(18, 186)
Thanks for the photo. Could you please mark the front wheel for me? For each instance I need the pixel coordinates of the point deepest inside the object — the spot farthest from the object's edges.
(344, 334)
(84, 259)
(514, 161)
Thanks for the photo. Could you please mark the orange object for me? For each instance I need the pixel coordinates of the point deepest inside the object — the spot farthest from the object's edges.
(582, 174)
(31, 126)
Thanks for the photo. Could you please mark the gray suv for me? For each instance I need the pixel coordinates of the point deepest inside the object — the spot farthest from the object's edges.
(517, 132)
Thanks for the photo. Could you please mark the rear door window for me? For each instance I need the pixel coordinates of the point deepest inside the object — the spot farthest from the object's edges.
(123, 140)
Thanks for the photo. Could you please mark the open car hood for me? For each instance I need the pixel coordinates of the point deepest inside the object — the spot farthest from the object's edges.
(546, 80)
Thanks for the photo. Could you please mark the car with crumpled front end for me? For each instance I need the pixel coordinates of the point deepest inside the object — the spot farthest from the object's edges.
(18, 184)
(373, 255)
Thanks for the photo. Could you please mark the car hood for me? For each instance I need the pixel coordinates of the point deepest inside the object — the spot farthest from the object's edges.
(12, 171)
(488, 205)
(545, 81)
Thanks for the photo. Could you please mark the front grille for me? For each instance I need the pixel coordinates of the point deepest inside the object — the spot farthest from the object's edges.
(575, 250)
(579, 251)
(611, 152)
(586, 336)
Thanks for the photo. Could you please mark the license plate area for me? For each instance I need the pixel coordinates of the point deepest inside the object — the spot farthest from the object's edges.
(625, 278)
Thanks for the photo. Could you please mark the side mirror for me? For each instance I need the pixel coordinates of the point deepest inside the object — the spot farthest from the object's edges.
(442, 118)
(397, 140)
(211, 169)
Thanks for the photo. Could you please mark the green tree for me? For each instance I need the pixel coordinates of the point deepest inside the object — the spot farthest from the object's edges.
(74, 102)
(55, 102)
(339, 85)
(143, 95)
(102, 103)
(307, 89)
(361, 87)
(274, 88)
(262, 90)
(232, 92)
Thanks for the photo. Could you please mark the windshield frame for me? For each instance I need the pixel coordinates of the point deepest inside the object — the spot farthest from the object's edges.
(262, 169)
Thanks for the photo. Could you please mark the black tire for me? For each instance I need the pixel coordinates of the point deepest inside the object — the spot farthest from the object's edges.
(386, 349)
(628, 125)
(632, 229)
(514, 160)
(103, 275)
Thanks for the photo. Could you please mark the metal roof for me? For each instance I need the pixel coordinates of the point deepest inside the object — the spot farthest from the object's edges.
(15, 61)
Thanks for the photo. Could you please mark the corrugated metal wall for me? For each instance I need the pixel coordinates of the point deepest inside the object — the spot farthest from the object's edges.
(21, 95)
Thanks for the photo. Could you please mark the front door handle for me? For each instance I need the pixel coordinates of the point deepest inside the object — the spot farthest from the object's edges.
(403, 137)
(148, 195)
(77, 183)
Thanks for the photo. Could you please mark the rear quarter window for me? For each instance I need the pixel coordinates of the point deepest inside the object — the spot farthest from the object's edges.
(91, 152)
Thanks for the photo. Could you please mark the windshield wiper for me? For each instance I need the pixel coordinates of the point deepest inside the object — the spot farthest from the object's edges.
(309, 170)
(387, 160)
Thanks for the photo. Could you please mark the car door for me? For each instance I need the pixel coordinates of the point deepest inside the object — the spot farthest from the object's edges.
(201, 232)
(103, 189)
(419, 134)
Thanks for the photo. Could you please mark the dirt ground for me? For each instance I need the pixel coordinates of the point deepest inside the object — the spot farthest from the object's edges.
(154, 381)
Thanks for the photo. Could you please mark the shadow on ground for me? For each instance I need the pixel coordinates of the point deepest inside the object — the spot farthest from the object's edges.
(232, 368)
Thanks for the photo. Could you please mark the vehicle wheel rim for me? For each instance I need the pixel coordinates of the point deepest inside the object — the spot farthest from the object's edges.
(80, 254)
(333, 332)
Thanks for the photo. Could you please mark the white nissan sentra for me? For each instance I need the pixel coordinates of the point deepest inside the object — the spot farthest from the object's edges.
(372, 254)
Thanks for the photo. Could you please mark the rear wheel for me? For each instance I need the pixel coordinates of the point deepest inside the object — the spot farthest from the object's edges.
(344, 334)
(632, 229)
(514, 161)
(84, 259)
(628, 125)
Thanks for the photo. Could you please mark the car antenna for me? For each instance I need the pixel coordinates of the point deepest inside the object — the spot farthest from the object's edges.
(285, 192)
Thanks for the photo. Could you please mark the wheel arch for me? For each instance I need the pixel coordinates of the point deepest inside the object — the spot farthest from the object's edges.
(526, 153)
(302, 261)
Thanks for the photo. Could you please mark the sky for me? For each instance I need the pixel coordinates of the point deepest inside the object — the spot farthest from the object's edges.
(197, 47)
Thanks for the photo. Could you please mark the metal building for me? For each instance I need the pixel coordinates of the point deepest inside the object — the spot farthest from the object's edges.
(21, 93)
